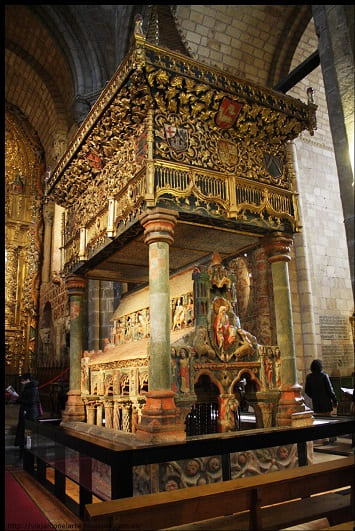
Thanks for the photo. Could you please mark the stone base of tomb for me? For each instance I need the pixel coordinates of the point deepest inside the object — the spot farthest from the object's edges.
(265, 405)
(74, 408)
(161, 420)
(292, 410)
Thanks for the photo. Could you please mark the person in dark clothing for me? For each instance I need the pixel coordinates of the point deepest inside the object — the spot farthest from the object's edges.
(320, 390)
(29, 408)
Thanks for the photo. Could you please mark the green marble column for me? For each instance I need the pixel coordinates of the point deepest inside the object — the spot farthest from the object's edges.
(159, 301)
(291, 408)
(160, 420)
(75, 410)
(284, 321)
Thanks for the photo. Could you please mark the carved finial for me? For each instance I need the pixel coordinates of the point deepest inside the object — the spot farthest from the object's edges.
(216, 259)
(310, 95)
(138, 25)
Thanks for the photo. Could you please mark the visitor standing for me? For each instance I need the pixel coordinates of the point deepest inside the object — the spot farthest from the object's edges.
(320, 390)
(29, 407)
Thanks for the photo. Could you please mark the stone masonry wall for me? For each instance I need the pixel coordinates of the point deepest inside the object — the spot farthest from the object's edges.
(324, 284)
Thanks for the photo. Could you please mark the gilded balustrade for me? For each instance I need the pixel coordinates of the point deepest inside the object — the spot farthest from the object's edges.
(188, 189)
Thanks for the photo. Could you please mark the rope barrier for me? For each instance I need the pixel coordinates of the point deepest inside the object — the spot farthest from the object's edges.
(54, 379)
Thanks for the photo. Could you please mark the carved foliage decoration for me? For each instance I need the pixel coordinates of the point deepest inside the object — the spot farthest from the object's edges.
(223, 151)
(112, 140)
(102, 184)
(24, 190)
(192, 125)
(237, 90)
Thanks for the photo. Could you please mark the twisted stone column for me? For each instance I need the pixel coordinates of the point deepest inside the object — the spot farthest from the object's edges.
(291, 408)
(74, 409)
(160, 419)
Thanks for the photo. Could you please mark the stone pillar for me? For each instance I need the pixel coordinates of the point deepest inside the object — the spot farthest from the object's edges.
(94, 315)
(262, 298)
(116, 416)
(108, 414)
(126, 417)
(90, 413)
(335, 29)
(48, 216)
(160, 418)
(303, 269)
(291, 408)
(99, 414)
(265, 408)
(74, 409)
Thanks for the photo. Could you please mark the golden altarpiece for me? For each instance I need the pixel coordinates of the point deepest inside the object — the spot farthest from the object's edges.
(24, 167)
(180, 184)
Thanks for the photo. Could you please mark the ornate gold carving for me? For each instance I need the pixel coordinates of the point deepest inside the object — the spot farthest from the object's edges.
(172, 102)
(130, 200)
(257, 120)
(23, 188)
(113, 140)
(181, 86)
(219, 150)
(219, 194)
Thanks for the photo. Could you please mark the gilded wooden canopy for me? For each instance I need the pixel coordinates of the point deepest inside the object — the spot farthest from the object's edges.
(172, 132)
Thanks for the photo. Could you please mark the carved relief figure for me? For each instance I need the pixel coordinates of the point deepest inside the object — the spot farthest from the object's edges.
(184, 370)
(174, 386)
(225, 333)
(247, 344)
(277, 367)
(141, 326)
(227, 408)
(201, 344)
(119, 333)
(189, 311)
(179, 316)
(269, 368)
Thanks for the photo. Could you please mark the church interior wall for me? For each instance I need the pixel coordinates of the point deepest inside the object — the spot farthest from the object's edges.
(325, 272)
(212, 36)
(323, 233)
(327, 253)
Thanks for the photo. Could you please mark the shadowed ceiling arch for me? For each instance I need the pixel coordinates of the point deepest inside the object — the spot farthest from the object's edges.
(291, 34)
(94, 39)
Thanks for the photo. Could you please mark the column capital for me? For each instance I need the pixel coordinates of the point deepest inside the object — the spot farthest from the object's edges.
(75, 284)
(278, 247)
(159, 224)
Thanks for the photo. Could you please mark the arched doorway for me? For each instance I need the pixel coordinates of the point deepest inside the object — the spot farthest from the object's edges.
(203, 416)
(244, 390)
